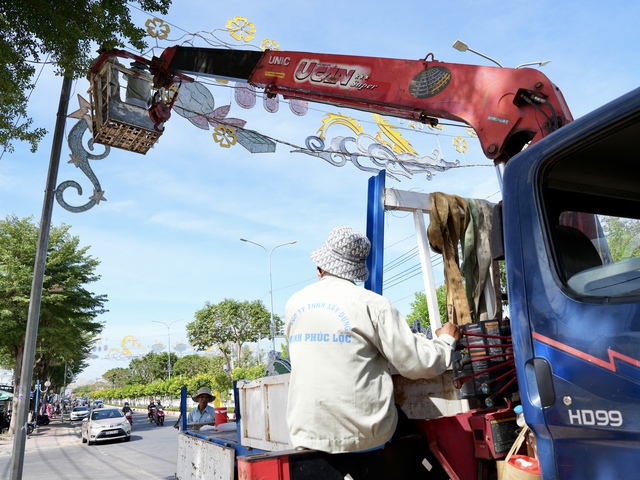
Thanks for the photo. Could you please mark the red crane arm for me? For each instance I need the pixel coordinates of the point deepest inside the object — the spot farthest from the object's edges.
(507, 108)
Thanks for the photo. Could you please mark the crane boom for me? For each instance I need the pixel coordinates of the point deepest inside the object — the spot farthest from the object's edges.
(507, 107)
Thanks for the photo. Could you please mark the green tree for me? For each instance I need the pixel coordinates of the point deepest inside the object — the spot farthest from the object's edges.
(61, 32)
(192, 365)
(420, 309)
(67, 323)
(229, 325)
(249, 373)
(151, 367)
(623, 237)
(117, 377)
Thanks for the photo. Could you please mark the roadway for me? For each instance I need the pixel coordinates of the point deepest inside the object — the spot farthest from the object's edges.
(56, 452)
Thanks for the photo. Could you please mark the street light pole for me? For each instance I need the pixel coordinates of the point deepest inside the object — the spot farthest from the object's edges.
(169, 335)
(273, 324)
(21, 409)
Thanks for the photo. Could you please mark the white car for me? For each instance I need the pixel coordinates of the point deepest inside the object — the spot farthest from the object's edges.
(79, 413)
(105, 424)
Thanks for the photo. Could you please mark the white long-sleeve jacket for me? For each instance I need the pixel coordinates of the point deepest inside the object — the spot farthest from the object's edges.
(341, 340)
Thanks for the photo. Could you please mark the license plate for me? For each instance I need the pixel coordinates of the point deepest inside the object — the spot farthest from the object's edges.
(111, 432)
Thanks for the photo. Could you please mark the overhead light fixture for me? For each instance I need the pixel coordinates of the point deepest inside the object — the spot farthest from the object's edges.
(541, 64)
(463, 47)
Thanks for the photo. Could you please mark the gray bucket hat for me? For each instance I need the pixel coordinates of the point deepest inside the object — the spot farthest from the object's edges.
(204, 391)
(344, 254)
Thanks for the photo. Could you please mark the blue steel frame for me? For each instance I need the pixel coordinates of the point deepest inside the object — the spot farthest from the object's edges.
(375, 231)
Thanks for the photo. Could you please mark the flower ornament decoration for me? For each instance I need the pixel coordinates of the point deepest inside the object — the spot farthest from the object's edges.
(157, 28)
(461, 144)
(269, 45)
(225, 136)
(241, 29)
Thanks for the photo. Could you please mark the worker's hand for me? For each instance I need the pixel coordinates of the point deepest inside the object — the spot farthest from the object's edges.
(450, 329)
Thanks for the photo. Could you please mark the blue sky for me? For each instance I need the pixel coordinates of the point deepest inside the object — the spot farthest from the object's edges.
(168, 235)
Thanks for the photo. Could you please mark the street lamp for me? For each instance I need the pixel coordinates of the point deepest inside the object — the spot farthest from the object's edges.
(463, 47)
(38, 391)
(273, 324)
(168, 325)
(540, 64)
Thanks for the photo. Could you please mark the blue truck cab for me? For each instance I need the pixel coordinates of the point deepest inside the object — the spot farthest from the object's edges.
(571, 210)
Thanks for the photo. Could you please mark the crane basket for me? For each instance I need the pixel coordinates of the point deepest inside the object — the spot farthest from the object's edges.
(118, 123)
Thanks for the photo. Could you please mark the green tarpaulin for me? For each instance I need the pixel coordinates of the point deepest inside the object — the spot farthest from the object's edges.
(4, 395)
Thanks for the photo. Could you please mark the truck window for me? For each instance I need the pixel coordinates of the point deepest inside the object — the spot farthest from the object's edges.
(599, 255)
(590, 204)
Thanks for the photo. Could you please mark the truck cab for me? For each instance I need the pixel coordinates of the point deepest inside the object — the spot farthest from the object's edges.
(571, 210)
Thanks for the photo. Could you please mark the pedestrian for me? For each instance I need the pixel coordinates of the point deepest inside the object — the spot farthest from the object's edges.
(203, 412)
(341, 341)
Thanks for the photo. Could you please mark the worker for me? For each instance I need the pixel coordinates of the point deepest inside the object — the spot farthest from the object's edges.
(203, 413)
(341, 341)
(139, 83)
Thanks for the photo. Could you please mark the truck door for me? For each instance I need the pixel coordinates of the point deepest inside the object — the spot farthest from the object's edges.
(572, 244)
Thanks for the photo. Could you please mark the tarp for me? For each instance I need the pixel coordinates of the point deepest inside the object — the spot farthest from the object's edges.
(4, 395)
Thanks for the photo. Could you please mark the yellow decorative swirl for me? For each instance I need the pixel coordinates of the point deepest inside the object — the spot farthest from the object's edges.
(132, 341)
(168, 94)
(339, 119)
(394, 139)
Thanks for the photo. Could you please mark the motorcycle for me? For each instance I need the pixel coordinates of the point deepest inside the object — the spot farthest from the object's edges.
(129, 416)
(159, 416)
(43, 420)
(5, 422)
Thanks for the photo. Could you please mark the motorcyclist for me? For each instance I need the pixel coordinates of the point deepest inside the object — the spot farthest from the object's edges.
(128, 413)
(157, 407)
(150, 409)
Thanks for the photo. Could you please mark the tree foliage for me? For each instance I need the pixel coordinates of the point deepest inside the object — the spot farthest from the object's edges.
(228, 325)
(420, 308)
(192, 365)
(67, 325)
(623, 237)
(151, 367)
(118, 377)
(65, 33)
